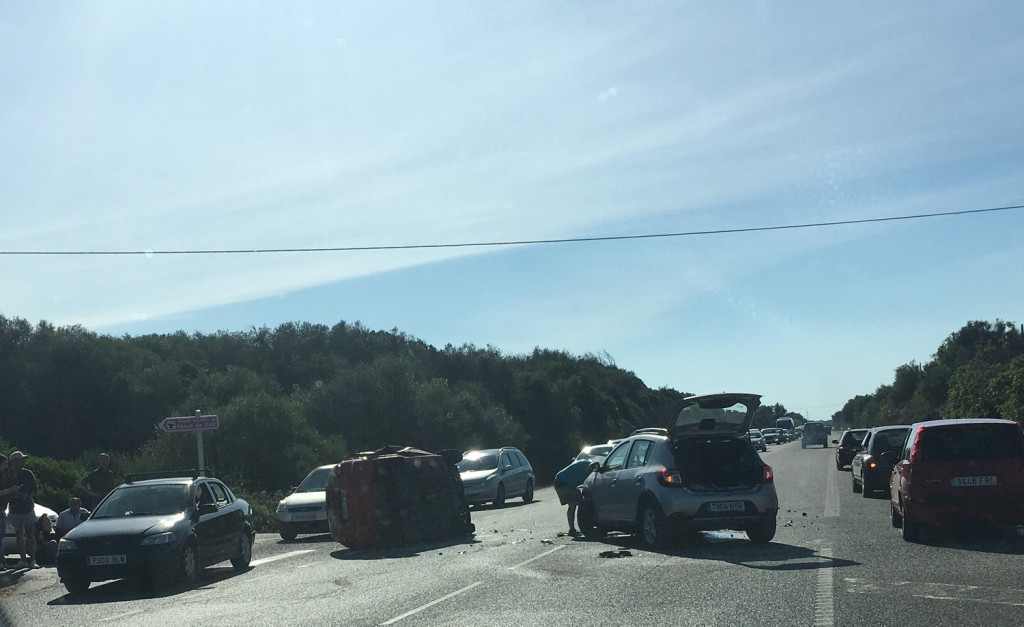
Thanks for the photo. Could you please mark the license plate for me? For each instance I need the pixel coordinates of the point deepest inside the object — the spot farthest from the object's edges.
(303, 517)
(728, 506)
(960, 482)
(106, 560)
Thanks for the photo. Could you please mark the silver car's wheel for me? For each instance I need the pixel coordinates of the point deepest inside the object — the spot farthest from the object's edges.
(499, 497)
(528, 495)
(652, 526)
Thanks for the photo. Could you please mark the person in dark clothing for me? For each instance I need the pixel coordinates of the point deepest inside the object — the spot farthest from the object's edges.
(46, 541)
(22, 515)
(99, 482)
(567, 482)
(7, 488)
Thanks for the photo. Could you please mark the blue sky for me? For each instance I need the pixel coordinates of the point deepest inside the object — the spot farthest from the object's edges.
(191, 126)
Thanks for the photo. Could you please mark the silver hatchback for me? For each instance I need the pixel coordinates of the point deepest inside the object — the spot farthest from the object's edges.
(701, 474)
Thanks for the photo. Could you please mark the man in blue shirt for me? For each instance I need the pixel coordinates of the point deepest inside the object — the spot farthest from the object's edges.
(567, 480)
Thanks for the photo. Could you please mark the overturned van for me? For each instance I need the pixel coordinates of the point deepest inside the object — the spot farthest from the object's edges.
(395, 496)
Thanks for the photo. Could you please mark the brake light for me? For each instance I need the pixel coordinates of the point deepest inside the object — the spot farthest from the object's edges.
(840, 447)
(670, 477)
(915, 450)
(872, 464)
(768, 476)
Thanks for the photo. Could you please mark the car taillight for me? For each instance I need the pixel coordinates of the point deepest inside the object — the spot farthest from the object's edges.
(670, 477)
(768, 476)
(915, 450)
(872, 464)
(840, 447)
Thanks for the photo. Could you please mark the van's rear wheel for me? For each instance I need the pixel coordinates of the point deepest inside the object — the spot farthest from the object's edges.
(911, 530)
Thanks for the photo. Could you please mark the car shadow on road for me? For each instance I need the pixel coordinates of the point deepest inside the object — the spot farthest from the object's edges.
(411, 550)
(1005, 539)
(319, 538)
(136, 589)
(483, 507)
(735, 548)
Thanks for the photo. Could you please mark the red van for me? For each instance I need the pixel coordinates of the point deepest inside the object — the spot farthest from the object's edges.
(958, 471)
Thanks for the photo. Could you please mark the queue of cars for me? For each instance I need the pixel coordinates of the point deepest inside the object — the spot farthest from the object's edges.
(944, 472)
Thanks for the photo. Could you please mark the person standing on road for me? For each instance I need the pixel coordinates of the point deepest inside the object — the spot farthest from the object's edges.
(7, 488)
(23, 510)
(567, 482)
(99, 482)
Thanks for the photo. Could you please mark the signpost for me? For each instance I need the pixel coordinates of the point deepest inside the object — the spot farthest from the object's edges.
(197, 423)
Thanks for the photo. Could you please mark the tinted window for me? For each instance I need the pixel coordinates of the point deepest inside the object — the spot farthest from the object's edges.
(203, 495)
(315, 481)
(618, 457)
(956, 442)
(509, 459)
(522, 459)
(639, 453)
(219, 494)
(888, 440)
(476, 461)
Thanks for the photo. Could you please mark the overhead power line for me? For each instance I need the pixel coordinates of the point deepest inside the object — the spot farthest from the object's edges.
(524, 242)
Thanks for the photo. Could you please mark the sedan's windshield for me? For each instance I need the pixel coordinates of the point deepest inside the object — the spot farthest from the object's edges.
(315, 481)
(148, 500)
(478, 462)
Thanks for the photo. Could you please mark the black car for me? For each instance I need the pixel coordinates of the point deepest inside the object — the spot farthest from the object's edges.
(848, 445)
(165, 530)
(869, 471)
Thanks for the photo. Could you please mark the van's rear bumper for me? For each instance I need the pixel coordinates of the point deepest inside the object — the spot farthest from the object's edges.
(938, 513)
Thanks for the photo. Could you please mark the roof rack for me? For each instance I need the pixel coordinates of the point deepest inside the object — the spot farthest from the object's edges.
(651, 430)
(165, 474)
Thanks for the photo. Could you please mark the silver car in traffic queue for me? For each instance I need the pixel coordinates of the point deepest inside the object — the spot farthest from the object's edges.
(702, 474)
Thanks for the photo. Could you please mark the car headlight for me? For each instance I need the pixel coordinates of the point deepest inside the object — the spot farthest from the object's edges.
(67, 545)
(281, 507)
(158, 538)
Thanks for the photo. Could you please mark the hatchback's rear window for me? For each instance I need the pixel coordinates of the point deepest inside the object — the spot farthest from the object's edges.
(963, 442)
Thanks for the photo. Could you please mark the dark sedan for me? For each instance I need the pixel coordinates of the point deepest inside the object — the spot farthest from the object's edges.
(165, 530)
(869, 472)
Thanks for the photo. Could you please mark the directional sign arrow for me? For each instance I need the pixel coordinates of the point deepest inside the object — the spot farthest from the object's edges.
(189, 423)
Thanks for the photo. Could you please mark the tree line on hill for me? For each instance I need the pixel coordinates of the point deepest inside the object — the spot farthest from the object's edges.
(298, 396)
(977, 372)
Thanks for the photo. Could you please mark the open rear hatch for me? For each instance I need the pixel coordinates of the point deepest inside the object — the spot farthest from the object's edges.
(710, 443)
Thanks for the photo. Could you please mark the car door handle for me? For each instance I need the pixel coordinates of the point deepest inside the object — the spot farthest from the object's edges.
(638, 480)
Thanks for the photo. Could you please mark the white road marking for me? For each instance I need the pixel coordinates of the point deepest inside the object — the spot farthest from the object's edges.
(824, 612)
(274, 558)
(537, 557)
(119, 616)
(940, 591)
(432, 603)
(832, 492)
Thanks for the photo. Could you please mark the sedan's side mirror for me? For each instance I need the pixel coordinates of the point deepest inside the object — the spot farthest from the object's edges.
(593, 467)
(207, 508)
(888, 457)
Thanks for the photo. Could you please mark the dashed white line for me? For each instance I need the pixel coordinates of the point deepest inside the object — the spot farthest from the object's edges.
(537, 557)
(824, 613)
(432, 603)
(832, 492)
(274, 558)
(119, 616)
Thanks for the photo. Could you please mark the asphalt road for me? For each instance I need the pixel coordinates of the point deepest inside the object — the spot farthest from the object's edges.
(836, 560)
